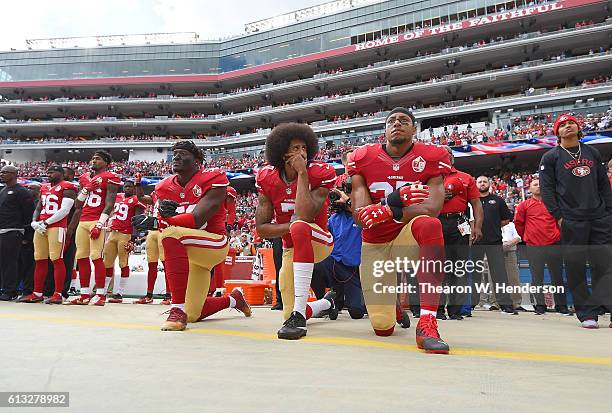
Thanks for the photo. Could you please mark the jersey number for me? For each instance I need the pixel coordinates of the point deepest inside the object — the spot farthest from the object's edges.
(94, 200)
(385, 187)
(50, 204)
(121, 212)
(288, 207)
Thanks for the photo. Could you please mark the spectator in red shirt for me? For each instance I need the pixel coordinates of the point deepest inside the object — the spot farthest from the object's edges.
(541, 233)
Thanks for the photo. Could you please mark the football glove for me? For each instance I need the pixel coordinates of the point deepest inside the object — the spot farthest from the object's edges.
(144, 222)
(167, 208)
(375, 214)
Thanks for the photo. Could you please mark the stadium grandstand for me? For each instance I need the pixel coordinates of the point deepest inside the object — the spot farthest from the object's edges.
(486, 77)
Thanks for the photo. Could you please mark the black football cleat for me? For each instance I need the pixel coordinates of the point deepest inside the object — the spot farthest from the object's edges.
(294, 328)
(427, 336)
(331, 312)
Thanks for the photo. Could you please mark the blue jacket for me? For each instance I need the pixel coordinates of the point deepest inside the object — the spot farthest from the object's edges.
(347, 239)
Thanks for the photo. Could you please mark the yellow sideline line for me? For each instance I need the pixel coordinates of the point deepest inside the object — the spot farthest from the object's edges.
(338, 341)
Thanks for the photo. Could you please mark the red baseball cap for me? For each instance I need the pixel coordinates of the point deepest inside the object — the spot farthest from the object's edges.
(454, 185)
(564, 118)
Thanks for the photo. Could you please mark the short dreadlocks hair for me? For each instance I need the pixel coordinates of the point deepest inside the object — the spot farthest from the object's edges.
(189, 146)
(105, 155)
(277, 142)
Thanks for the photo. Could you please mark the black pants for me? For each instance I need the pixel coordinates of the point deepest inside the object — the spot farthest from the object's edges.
(546, 255)
(10, 247)
(26, 266)
(590, 240)
(497, 269)
(277, 254)
(344, 280)
(456, 247)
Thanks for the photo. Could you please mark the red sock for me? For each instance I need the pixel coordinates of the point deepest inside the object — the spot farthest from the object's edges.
(301, 234)
(213, 305)
(40, 273)
(151, 277)
(168, 290)
(100, 272)
(177, 269)
(110, 271)
(427, 231)
(84, 272)
(59, 275)
(125, 272)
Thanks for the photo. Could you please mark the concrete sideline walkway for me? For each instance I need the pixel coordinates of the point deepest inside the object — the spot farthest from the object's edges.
(116, 358)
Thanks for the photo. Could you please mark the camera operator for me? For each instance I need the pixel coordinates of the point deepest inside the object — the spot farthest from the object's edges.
(340, 270)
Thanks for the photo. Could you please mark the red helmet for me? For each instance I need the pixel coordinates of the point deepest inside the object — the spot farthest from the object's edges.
(454, 185)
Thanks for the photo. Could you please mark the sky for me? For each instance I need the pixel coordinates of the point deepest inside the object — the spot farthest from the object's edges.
(35, 19)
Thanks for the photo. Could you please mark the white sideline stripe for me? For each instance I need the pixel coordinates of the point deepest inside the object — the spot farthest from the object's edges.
(322, 237)
(192, 241)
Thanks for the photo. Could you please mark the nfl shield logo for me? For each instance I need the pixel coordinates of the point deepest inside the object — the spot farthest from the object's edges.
(288, 191)
(418, 164)
(396, 167)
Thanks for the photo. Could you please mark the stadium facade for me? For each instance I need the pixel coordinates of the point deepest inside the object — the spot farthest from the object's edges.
(477, 62)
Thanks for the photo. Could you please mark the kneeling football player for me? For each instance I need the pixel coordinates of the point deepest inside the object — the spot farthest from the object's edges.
(397, 195)
(293, 200)
(191, 220)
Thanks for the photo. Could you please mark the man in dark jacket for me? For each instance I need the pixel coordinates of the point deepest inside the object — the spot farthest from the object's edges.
(16, 209)
(576, 192)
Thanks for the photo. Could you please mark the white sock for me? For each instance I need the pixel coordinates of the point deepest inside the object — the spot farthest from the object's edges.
(122, 284)
(318, 306)
(107, 282)
(428, 312)
(73, 283)
(302, 274)
(232, 302)
(100, 291)
(181, 306)
(85, 290)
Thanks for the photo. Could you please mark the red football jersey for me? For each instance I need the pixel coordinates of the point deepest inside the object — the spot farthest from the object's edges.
(459, 202)
(95, 202)
(188, 197)
(124, 211)
(282, 194)
(51, 198)
(384, 175)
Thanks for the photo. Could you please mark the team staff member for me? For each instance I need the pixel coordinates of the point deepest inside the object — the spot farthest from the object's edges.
(496, 215)
(50, 221)
(16, 208)
(577, 193)
(540, 232)
(94, 205)
(459, 190)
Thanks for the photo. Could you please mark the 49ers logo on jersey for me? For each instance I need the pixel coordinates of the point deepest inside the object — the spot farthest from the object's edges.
(418, 164)
(581, 171)
(197, 191)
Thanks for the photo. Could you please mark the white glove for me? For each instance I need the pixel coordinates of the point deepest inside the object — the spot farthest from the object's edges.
(39, 226)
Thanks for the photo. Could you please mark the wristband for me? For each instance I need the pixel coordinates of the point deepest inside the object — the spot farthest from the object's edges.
(182, 220)
(102, 220)
(82, 195)
(398, 212)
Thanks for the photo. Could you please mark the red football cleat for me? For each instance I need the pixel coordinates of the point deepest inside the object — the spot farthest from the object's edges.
(176, 321)
(166, 301)
(83, 299)
(98, 299)
(144, 300)
(427, 336)
(31, 298)
(241, 303)
(56, 298)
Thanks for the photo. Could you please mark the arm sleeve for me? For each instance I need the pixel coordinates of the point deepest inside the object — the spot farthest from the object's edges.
(519, 219)
(62, 212)
(548, 185)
